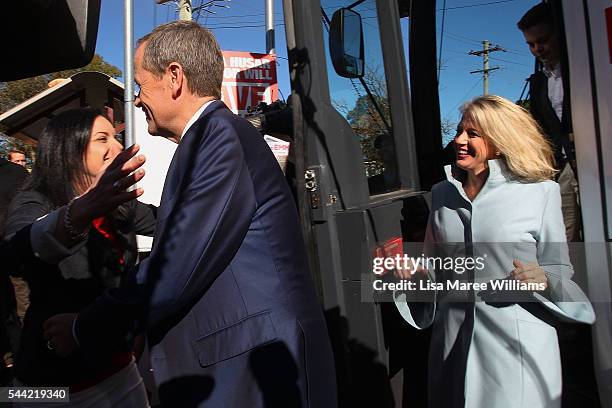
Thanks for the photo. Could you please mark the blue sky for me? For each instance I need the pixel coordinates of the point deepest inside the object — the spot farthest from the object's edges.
(237, 28)
(464, 30)
(467, 22)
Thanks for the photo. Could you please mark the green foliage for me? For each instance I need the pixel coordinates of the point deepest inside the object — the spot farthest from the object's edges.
(14, 92)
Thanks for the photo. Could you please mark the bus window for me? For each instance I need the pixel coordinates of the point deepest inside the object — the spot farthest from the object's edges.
(364, 102)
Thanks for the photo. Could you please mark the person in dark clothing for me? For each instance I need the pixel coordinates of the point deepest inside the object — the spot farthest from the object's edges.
(76, 198)
(22, 292)
(549, 103)
(12, 177)
(9, 328)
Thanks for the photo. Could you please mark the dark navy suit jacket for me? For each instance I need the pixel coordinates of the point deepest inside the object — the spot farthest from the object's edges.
(230, 310)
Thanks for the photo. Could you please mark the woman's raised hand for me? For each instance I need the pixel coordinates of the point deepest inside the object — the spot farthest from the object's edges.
(108, 190)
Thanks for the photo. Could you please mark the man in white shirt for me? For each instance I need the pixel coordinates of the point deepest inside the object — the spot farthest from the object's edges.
(549, 107)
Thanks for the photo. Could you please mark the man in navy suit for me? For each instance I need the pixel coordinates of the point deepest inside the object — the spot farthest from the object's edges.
(226, 298)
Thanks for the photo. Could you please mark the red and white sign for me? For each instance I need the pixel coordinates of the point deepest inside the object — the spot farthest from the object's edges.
(248, 79)
(280, 148)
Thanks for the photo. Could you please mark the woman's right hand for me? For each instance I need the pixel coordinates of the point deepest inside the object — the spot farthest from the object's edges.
(108, 189)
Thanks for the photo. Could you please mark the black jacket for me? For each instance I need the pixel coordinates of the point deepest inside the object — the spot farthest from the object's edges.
(67, 287)
(556, 130)
(12, 177)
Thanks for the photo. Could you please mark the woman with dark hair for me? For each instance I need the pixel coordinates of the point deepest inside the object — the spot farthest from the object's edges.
(73, 233)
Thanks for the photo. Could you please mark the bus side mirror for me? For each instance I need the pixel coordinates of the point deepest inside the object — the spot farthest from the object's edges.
(346, 43)
(44, 36)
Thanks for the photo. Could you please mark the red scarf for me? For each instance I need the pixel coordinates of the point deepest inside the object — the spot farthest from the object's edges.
(105, 228)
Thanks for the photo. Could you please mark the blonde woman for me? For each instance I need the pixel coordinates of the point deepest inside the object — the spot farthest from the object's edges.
(495, 347)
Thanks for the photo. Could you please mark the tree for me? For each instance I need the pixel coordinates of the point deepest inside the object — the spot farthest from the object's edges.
(449, 129)
(14, 92)
(366, 120)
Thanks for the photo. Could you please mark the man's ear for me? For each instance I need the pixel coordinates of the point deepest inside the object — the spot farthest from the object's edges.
(177, 79)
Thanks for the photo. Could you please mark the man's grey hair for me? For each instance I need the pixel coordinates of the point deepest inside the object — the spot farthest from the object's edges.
(193, 47)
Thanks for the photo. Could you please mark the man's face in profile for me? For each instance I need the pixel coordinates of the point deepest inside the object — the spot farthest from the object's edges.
(543, 44)
(152, 97)
(18, 158)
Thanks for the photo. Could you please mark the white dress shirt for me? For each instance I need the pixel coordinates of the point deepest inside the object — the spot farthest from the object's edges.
(555, 89)
(195, 117)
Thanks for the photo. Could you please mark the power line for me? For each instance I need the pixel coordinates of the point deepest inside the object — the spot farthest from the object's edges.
(253, 21)
(473, 40)
(463, 97)
(511, 62)
(441, 39)
(243, 15)
(478, 5)
(206, 19)
(465, 54)
(452, 37)
(244, 26)
(247, 5)
(462, 36)
(522, 54)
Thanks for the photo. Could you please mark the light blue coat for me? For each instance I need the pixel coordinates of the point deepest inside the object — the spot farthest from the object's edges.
(485, 355)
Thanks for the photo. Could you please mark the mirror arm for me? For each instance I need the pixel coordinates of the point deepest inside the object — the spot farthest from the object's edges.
(326, 19)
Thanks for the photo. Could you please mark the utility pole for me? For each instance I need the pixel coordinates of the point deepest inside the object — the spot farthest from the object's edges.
(128, 60)
(270, 46)
(185, 10)
(485, 63)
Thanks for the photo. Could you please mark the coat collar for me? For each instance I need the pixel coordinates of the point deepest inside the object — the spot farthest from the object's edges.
(202, 111)
(498, 173)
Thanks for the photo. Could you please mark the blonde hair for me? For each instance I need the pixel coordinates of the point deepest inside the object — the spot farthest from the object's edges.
(515, 134)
